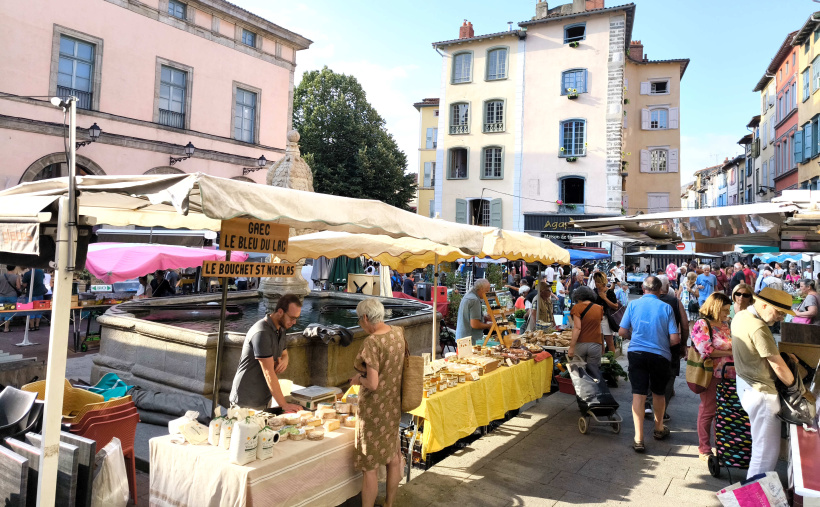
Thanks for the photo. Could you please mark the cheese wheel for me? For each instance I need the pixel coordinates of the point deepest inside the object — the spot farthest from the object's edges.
(314, 421)
(350, 421)
(332, 425)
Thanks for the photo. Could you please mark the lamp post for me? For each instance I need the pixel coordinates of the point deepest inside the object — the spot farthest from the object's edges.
(189, 152)
(762, 192)
(94, 133)
(261, 162)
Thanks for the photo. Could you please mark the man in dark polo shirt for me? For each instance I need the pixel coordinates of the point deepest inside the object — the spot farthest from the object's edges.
(264, 356)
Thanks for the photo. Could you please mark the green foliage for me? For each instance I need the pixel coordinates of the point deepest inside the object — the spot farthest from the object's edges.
(519, 314)
(613, 368)
(451, 319)
(494, 276)
(345, 141)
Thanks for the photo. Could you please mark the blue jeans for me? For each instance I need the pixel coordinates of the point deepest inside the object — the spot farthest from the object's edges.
(35, 297)
(4, 300)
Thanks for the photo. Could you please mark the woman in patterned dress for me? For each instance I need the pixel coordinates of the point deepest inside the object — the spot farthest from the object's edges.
(380, 364)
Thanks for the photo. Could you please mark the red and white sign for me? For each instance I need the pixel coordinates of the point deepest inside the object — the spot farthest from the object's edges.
(681, 246)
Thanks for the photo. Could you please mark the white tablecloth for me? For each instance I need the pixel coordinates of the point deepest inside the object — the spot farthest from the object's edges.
(300, 473)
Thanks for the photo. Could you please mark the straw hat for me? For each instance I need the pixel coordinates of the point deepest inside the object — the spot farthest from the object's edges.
(777, 298)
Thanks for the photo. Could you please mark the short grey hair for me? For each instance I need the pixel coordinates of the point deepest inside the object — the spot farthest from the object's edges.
(664, 283)
(652, 284)
(481, 283)
(371, 308)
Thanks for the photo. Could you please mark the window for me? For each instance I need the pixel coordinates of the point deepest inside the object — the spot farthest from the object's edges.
(177, 9)
(432, 208)
(491, 163)
(806, 47)
(248, 38)
(572, 192)
(460, 118)
(794, 95)
(779, 111)
(429, 172)
(575, 79)
(815, 136)
(573, 137)
(245, 116)
(806, 84)
(794, 60)
(435, 113)
(658, 118)
(765, 171)
(787, 105)
(172, 97)
(497, 64)
(815, 75)
(574, 33)
(432, 138)
(494, 116)
(658, 162)
(462, 68)
(659, 87)
(75, 70)
(458, 164)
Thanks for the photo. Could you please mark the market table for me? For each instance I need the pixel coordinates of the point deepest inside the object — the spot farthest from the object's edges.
(457, 412)
(804, 447)
(299, 474)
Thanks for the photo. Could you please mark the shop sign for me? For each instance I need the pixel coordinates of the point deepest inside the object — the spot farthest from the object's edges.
(102, 288)
(247, 269)
(464, 347)
(20, 239)
(561, 236)
(250, 235)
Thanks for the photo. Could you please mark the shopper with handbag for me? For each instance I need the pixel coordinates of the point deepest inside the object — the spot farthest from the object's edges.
(711, 339)
(807, 312)
(688, 294)
(606, 298)
(586, 343)
(758, 365)
(380, 365)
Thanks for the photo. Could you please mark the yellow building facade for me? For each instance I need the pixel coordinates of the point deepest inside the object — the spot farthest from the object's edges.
(807, 140)
(651, 147)
(428, 142)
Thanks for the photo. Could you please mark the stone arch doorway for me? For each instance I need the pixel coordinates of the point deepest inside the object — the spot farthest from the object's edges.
(165, 169)
(54, 166)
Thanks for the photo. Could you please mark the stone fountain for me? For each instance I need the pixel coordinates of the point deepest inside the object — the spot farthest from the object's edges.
(290, 171)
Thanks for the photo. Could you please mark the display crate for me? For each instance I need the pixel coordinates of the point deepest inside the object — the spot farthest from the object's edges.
(565, 385)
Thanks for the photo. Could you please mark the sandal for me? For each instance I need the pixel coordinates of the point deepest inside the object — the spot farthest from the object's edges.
(662, 434)
(638, 446)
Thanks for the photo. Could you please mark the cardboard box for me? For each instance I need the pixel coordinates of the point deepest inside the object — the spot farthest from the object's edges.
(369, 284)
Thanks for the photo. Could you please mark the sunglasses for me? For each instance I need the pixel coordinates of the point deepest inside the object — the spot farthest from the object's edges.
(743, 295)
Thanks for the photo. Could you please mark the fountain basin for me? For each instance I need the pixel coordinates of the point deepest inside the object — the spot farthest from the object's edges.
(180, 355)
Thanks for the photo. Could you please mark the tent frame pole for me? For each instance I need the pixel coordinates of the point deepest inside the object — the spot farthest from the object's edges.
(220, 341)
(435, 305)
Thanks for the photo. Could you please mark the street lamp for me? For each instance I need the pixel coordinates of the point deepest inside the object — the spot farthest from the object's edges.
(762, 192)
(94, 133)
(261, 162)
(189, 152)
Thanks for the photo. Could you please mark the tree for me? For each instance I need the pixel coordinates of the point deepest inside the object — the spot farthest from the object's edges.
(345, 141)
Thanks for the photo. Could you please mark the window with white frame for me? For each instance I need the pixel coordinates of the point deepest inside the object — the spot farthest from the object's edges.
(658, 161)
(815, 75)
(75, 71)
(806, 84)
(462, 68)
(574, 79)
(659, 87)
(431, 142)
(658, 118)
(460, 118)
(497, 64)
(573, 138)
(245, 116)
(576, 32)
(428, 180)
(172, 97)
(432, 208)
(494, 116)
(457, 160)
(177, 9)
(492, 163)
(248, 38)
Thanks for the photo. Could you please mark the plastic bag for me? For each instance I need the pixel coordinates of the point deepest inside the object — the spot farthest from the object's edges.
(225, 433)
(110, 486)
(175, 425)
(266, 439)
(762, 490)
(214, 430)
(244, 442)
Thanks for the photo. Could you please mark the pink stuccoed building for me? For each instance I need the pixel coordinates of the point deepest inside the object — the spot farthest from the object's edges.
(154, 75)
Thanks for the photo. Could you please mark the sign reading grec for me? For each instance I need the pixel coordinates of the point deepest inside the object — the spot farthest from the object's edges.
(250, 235)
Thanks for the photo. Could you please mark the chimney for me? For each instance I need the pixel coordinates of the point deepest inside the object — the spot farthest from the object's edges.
(541, 9)
(636, 50)
(509, 26)
(594, 4)
(466, 31)
(579, 6)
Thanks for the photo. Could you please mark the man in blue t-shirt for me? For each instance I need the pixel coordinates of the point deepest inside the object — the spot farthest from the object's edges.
(706, 283)
(650, 325)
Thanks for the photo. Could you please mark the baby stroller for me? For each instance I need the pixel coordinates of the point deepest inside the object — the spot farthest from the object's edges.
(733, 434)
(446, 338)
(594, 400)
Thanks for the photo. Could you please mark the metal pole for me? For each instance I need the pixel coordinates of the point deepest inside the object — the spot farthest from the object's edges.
(435, 305)
(220, 339)
(26, 342)
(58, 347)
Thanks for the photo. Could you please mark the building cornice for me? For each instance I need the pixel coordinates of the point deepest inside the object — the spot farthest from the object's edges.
(781, 54)
(479, 38)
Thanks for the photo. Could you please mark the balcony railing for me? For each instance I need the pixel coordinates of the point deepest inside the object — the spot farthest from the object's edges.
(494, 127)
(83, 98)
(171, 119)
(459, 129)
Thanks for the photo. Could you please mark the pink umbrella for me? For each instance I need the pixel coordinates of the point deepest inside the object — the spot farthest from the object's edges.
(116, 262)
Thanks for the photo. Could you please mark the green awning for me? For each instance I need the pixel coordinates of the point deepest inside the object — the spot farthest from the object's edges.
(757, 249)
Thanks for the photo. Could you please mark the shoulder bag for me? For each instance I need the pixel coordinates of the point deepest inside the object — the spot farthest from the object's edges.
(802, 320)
(412, 380)
(699, 371)
(795, 408)
(693, 306)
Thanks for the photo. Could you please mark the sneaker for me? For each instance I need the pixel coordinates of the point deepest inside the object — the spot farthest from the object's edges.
(666, 416)
(647, 412)
(704, 457)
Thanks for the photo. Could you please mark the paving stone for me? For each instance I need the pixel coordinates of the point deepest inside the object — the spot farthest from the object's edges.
(574, 499)
(527, 471)
(684, 491)
(507, 486)
(604, 490)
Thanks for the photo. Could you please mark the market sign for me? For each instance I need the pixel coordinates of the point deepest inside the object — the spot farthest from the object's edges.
(561, 236)
(20, 239)
(247, 269)
(251, 235)
(464, 347)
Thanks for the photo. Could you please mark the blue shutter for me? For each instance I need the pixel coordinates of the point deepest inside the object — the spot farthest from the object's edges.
(815, 132)
(798, 146)
(586, 82)
(807, 130)
(461, 211)
(495, 213)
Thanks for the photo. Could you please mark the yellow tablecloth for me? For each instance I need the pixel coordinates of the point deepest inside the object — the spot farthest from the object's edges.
(457, 412)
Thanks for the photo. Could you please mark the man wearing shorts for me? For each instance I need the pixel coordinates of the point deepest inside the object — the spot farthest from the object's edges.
(650, 324)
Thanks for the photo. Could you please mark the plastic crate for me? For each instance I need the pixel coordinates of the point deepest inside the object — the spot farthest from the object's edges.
(42, 305)
(565, 385)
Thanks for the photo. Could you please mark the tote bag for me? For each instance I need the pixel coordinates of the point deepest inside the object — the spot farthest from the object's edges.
(802, 320)
(412, 380)
(699, 371)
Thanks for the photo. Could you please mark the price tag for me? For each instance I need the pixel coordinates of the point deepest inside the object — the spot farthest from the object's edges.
(464, 347)
(509, 362)
(474, 375)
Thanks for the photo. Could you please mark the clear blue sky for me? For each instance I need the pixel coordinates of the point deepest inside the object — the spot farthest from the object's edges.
(386, 45)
